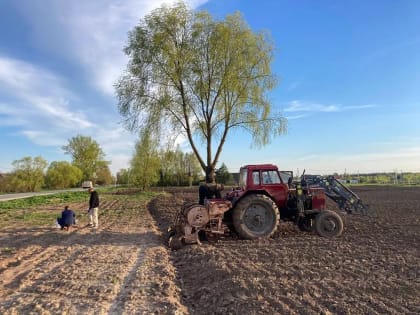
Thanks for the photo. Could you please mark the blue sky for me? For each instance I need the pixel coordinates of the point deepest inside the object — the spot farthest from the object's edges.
(349, 74)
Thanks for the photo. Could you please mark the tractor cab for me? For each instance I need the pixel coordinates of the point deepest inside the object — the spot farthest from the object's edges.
(264, 179)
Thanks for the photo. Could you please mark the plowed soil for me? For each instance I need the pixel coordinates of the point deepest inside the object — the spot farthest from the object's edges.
(125, 267)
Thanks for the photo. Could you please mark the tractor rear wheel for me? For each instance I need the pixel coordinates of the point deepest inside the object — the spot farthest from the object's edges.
(328, 224)
(255, 216)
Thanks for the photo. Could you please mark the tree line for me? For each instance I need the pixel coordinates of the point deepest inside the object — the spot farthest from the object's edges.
(149, 166)
(31, 174)
(405, 178)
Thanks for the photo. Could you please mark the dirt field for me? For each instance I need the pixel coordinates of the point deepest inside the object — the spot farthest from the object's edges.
(124, 267)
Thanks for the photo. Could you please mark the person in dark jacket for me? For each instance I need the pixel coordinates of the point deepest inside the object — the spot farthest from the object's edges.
(93, 208)
(68, 218)
(209, 191)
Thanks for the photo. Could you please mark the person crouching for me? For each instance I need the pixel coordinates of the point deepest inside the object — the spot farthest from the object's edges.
(68, 218)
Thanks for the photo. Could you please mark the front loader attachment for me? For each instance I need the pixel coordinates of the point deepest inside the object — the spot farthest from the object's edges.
(345, 198)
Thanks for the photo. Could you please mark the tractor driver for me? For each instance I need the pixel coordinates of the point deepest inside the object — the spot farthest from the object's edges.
(209, 191)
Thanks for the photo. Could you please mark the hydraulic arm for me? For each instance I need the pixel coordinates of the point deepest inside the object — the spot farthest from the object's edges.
(345, 198)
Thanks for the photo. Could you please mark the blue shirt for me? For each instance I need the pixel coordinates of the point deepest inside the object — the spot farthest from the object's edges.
(68, 217)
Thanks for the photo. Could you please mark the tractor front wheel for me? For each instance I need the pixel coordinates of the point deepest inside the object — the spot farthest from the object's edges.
(255, 216)
(328, 224)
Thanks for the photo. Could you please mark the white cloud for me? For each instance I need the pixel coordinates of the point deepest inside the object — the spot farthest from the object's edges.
(299, 106)
(46, 113)
(93, 33)
(43, 138)
(89, 37)
(36, 96)
(293, 117)
(119, 161)
(303, 106)
(26, 77)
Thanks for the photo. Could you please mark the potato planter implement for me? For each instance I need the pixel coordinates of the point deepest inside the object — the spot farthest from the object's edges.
(265, 195)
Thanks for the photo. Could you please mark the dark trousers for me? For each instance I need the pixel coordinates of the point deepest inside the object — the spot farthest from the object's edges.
(61, 222)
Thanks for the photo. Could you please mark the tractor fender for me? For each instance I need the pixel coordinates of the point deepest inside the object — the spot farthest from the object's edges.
(251, 192)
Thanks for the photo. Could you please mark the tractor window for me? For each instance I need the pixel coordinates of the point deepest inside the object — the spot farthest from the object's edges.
(256, 177)
(270, 177)
(243, 177)
(286, 175)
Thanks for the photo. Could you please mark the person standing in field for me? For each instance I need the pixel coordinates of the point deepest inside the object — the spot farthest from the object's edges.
(93, 207)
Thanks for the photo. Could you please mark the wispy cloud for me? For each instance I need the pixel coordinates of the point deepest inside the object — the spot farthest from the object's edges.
(37, 101)
(92, 33)
(88, 36)
(293, 117)
(36, 96)
(303, 106)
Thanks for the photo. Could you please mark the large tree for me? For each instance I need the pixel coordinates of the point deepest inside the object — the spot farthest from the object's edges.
(28, 174)
(103, 174)
(61, 174)
(201, 76)
(87, 155)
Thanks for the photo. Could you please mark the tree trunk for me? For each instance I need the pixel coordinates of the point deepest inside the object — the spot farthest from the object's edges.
(210, 174)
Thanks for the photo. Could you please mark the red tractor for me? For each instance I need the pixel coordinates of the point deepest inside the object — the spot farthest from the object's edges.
(264, 196)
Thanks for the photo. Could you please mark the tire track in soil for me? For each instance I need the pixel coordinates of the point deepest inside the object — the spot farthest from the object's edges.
(372, 269)
(121, 256)
(25, 262)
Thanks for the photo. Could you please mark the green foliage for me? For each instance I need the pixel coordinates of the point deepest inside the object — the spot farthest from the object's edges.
(28, 174)
(87, 155)
(29, 202)
(32, 211)
(29, 217)
(145, 163)
(410, 178)
(103, 174)
(384, 178)
(5, 183)
(178, 168)
(202, 77)
(123, 176)
(222, 175)
(62, 175)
